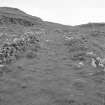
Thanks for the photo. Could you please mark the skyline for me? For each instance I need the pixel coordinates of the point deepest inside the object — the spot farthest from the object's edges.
(67, 12)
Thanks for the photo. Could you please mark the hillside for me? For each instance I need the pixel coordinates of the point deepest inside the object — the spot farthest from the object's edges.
(45, 63)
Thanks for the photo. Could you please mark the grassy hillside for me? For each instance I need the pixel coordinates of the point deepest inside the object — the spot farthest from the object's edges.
(45, 63)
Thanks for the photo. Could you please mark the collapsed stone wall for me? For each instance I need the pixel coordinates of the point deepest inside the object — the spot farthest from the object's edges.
(10, 52)
(82, 50)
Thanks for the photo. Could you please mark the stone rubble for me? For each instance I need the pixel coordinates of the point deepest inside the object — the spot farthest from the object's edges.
(79, 51)
(10, 51)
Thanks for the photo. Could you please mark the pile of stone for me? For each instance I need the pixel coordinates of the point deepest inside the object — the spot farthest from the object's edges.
(90, 59)
(98, 63)
(80, 52)
(10, 52)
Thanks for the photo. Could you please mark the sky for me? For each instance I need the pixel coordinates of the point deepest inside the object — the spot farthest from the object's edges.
(68, 12)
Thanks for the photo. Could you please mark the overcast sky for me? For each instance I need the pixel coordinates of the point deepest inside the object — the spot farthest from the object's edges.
(69, 12)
